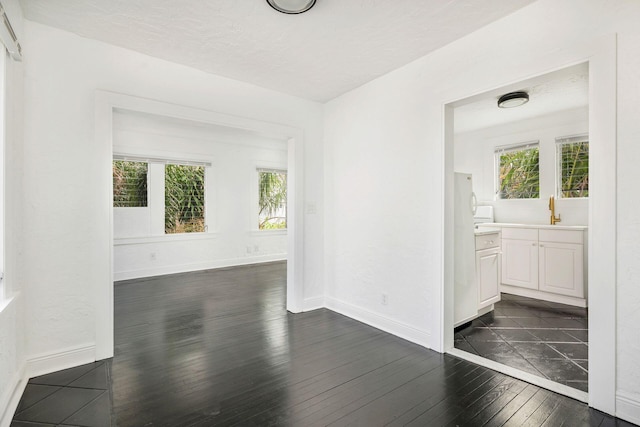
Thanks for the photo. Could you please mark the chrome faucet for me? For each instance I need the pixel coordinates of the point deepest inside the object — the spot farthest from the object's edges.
(552, 208)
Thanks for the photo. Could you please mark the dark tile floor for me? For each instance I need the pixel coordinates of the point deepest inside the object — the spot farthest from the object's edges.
(543, 338)
(78, 396)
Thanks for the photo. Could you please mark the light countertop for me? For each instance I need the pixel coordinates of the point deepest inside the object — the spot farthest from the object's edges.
(544, 226)
(482, 230)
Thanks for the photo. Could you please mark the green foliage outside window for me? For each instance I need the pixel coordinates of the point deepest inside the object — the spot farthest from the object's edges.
(184, 199)
(129, 184)
(272, 186)
(519, 174)
(574, 169)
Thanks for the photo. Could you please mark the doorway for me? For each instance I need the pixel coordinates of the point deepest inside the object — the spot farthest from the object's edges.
(106, 104)
(514, 158)
(601, 59)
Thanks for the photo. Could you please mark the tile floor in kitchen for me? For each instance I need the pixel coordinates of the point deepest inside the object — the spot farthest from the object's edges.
(544, 338)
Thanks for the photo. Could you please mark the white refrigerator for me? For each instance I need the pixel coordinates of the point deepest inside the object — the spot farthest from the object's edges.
(465, 305)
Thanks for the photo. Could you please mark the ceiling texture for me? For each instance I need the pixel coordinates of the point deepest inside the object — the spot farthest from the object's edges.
(550, 93)
(335, 47)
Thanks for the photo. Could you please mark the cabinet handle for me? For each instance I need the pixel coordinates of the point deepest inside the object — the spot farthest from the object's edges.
(490, 242)
(542, 246)
(533, 244)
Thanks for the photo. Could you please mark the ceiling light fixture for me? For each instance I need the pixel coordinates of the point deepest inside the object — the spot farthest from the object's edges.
(291, 7)
(513, 99)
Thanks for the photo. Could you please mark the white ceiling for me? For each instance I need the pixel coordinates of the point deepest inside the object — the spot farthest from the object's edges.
(335, 47)
(560, 90)
(183, 128)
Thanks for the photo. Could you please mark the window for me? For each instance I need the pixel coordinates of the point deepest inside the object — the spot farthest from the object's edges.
(572, 156)
(518, 171)
(129, 184)
(169, 194)
(272, 199)
(184, 199)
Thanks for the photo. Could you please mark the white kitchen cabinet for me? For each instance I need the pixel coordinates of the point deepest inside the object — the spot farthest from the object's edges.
(486, 281)
(488, 275)
(544, 263)
(488, 261)
(561, 268)
(520, 263)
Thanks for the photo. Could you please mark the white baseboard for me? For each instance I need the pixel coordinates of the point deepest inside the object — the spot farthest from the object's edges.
(52, 362)
(379, 321)
(185, 268)
(628, 407)
(11, 396)
(313, 303)
(546, 296)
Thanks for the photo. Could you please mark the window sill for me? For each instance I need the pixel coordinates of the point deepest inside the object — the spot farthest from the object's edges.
(167, 238)
(268, 233)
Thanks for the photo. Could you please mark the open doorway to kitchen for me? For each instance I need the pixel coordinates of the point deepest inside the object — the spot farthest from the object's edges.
(521, 283)
(600, 55)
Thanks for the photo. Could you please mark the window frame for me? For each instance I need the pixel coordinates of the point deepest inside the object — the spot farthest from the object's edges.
(560, 142)
(152, 205)
(497, 154)
(256, 200)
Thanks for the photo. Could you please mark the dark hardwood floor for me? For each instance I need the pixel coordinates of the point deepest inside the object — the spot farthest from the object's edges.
(217, 348)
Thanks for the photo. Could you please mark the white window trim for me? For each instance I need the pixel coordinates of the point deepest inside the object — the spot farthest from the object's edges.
(166, 238)
(162, 160)
(209, 199)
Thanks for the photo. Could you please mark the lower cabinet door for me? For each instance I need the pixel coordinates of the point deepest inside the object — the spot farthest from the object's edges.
(488, 270)
(561, 269)
(520, 263)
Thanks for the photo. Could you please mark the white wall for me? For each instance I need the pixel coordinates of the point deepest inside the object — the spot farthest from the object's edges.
(231, 198)
(382, 160)
(61, 247)
(628, 236)
(384, 154)
(474, 153)
(12, 326)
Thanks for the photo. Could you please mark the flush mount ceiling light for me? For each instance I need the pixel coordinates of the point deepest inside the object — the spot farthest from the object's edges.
(291, 7)
(513, 99)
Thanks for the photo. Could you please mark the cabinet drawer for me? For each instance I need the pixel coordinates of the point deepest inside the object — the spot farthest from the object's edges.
(520, 233)
(562, 236)
(487, 241)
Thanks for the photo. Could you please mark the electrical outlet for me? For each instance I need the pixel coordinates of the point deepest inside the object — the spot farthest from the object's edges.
(312, 208)
(385, 299)
(256, 248)
(248, 249)
(152, 256)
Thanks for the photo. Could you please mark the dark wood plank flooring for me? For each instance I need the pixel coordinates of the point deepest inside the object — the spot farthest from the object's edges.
(218, 348)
